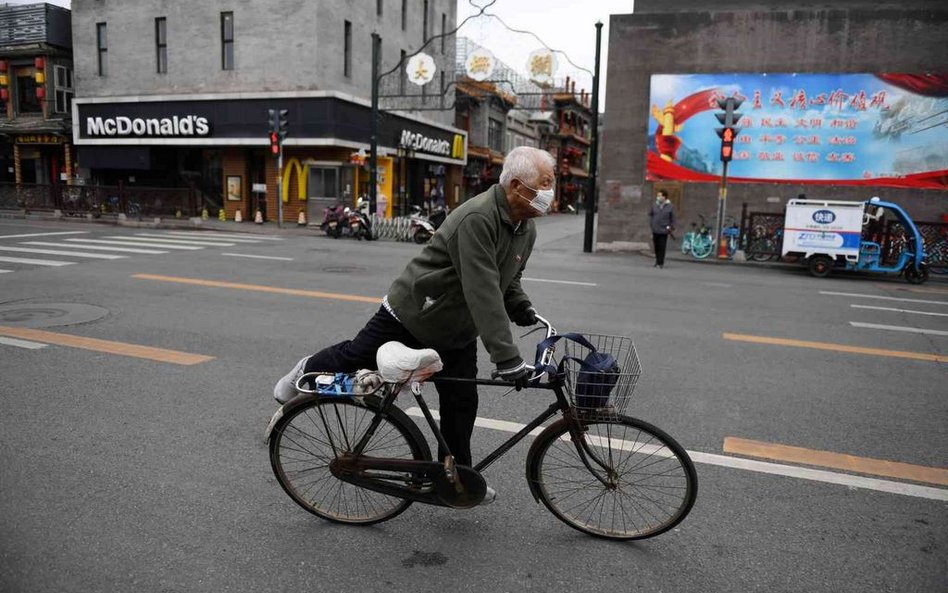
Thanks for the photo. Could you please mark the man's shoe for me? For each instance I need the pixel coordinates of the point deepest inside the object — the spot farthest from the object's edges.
(285, 389)
(489, 497)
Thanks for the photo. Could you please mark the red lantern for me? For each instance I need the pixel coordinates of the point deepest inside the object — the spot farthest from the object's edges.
(40, 92)
(3, 65)
(39, 63)
(4, 95)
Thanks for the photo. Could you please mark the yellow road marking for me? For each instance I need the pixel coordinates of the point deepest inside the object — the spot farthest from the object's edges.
(120, 348)
(851, 463)
(835, 347)
(260, 288)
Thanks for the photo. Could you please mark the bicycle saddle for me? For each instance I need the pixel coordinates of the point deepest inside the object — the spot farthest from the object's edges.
(398, 363)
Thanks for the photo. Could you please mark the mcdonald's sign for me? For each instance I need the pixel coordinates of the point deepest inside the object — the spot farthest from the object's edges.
(291, 166)
(458, 147)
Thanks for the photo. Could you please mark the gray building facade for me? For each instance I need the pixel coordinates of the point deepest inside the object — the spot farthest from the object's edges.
(225, 62)
(733, 36)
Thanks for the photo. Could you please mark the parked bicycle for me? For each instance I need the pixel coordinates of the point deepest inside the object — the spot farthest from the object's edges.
(360, 460)
(699, 242)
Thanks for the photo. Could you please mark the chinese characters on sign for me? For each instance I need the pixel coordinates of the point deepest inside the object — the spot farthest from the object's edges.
(420, 69)
(40, 139)
(800, 127)
(479, 65)
(541, 66)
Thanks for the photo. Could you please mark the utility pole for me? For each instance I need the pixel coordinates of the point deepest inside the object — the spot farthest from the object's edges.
(374, 138)
(591, 201)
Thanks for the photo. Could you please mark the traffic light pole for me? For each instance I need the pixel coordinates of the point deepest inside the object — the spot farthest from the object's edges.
(593, 152)
(374, 138)
(722, 208)
(280, 188)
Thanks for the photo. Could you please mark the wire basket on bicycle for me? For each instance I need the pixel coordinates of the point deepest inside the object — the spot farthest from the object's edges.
(600, 380)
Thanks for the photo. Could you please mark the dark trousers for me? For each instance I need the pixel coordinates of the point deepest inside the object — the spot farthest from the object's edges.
(457, 402)
(660, 242)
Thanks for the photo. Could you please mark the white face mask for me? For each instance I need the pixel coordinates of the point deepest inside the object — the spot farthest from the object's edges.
(543, 200)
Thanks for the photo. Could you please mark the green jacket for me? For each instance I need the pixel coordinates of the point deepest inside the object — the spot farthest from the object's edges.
(466, 282)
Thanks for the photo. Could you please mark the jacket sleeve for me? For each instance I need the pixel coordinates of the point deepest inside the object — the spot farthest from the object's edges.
(515, 297)
(474, 260)
(671, 218)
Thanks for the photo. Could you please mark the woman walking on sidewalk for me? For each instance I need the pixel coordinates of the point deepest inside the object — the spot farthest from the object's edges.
(662, 218)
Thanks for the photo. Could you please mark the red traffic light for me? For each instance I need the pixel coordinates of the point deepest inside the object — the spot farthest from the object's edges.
(726, 152)
(728, 135)
(274, 143)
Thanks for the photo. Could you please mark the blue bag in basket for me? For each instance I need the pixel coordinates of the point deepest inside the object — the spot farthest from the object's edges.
(598, 374)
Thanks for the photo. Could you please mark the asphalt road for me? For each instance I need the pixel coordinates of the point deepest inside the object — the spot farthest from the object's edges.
(119, 472)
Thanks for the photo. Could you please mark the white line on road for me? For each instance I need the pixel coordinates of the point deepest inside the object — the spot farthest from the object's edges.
(225, 236)
(899, 328)
(5, 271)
(59, 252)
(95, 247)
(719, 284)
(884, 298)
(35, 262)
(898, 310)
(22, 343)
(804, 473)
(43, 234)
(200, 237)
(154, 239)
(561, 281)
(258, 256)
(135, 244)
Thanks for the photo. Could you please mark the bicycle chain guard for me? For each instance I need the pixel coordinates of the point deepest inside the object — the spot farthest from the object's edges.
(472, 491)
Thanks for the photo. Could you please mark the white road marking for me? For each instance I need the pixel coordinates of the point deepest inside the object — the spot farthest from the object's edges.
(154, 239)
(95, 247)
(58, 252)
(36, 262)
(200, 237)
(720, 284)
(561, 281)
(883, 298)
(258, 256)
(766, 467)
(899, 328)
(135, 244)
(22, 343)
(5, 271)
(898, 310)
(225, 236)
(43, 234)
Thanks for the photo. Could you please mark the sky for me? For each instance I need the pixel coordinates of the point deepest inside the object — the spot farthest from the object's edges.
(567, 25)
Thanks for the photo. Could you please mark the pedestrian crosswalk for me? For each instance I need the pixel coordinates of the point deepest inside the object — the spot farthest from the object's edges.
(27, 251)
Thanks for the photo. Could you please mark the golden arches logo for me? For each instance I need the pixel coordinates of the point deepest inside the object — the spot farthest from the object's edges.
(294, 165)
(457, 149)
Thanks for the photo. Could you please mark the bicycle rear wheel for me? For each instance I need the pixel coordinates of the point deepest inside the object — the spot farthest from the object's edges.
(652, 483)
(701, 246)
(310, 435)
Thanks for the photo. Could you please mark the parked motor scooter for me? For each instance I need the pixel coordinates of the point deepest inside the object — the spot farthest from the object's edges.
(360, 225)
(334, 218)
(423, 227)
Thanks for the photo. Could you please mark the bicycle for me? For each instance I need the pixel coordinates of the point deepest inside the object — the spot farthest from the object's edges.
(702, 241)
(360, 460)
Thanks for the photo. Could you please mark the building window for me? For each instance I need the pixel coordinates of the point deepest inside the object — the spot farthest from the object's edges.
(424, 27)
(495, 135)
(227, 40)
(26, 101)
(102, 43)
(404, 14)
(401, 74)
(347, 50)
(63, 83)
(444, 29)
(378, 8)
(161, 45)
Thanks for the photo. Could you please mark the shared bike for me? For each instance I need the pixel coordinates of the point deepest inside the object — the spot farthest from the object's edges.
(360, 459)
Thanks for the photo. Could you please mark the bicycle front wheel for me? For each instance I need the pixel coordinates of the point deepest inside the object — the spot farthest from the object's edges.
(650, 482)
(701, 246)
(307, 439)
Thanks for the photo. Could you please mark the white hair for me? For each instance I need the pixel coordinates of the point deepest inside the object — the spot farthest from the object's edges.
(523, 163)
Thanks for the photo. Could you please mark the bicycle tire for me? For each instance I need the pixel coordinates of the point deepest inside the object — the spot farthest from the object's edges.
(651, 450)
(701, 247)
(308, 480)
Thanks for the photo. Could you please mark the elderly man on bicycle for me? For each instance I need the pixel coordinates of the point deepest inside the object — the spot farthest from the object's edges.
(465, 283)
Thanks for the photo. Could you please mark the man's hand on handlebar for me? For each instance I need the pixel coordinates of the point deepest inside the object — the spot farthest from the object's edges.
(517, 372)
(525, 315)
